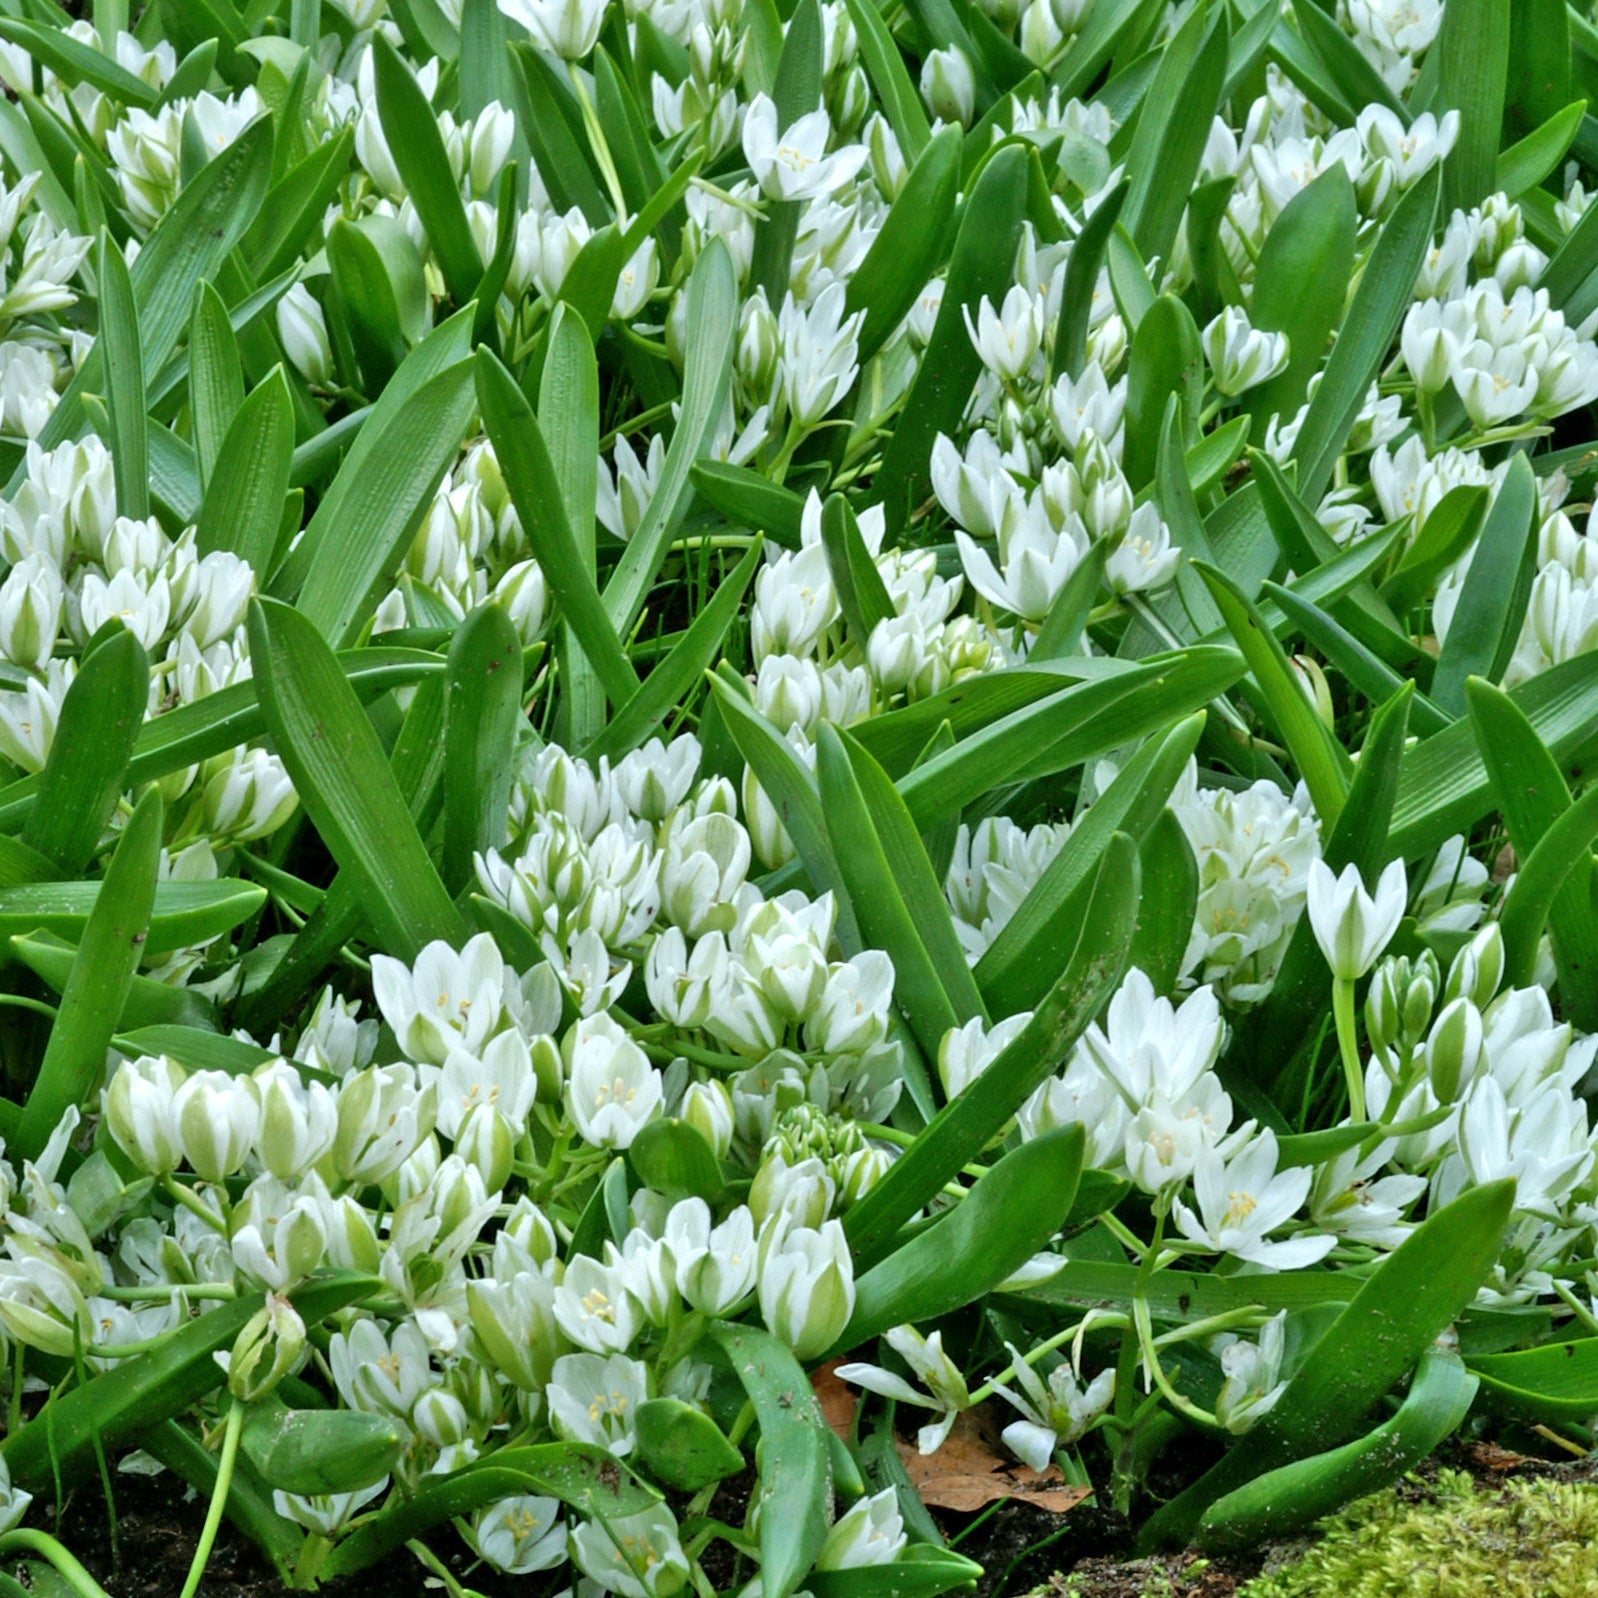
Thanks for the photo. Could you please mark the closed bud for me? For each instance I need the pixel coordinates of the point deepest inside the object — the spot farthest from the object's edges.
(441, 1418)
(801, 1192)
(1453, 1049)
(218, 1118)
(707, 1108)
(303, 331)
(806, 1285)
(1478, 968)
(30, 612)
(948, 86)
(487, 1141)
(249, 797)
(138, 1111)
(299, 1121)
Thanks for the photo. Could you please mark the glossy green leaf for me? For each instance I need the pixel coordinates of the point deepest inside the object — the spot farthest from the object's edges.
(862, 594)
(1384, 294)
(1473, 58)
(1004, 1219)
(530, 479)
(319, 1450)
(1452, 527)
(748, 499)
(964, 1127)
(796, 92)
(1396, 1315)
(1528, 161)
(1170, 877)
(1485, 626)
(87, 767)
(1165, 362)
(1035, 943)
(1321, 760)
(75, 62)
(682, 1447)
(1357, 82)
(982, 263)
(344, 782)
(1555, 1383)
(1081, 275)
(417, 146)
(898, 900)
(295, 205)
(673, 1157)
(216, 378)
(124, 381)
(482, 715)
(243, 505)
(148, 1002)
(92, 1001)
(795, 1460)
(1289, 1498)
(1562, 854)
(901, 104)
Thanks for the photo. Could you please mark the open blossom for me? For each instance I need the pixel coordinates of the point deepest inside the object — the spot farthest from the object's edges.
(1244, 1198)
(792, 163)
(1352, 926)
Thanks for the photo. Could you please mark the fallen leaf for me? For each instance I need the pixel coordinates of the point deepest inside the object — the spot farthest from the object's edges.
(967, 1473)
(838, 1400)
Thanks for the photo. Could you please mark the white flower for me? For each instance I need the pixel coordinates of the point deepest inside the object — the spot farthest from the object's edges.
(1054, 1414)
(1145, 558)
(519, 1535)
(715, 1266)
(446, 1000)
(567, 28)
(794, 165)
(818, 360)
(611, 1088)
(1008, 339)
(1240, 355)
(637, 1556)
(870, 1533)
(593, 1399)
(932, 1367)
(1243, 1199)
(1250, 1387)
(949, 86)
(218, 1118)
(1352, 926)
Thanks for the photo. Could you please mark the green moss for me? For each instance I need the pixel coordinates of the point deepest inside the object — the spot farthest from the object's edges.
(1529, 1539)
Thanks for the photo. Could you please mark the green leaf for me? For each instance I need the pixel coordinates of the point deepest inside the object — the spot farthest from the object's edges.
(682, 1447)
(1034, 945)
(796, 92)
(933, 1571)
(319, 1450)
(1165, 362)
(982, 264)
(579, 1474)
(1563, 853)
(1526, 163)
(379, 293)
(1398, 1312)
(1534, 801)
(749, 499)
(965, 1126)
(124, 381)
(1170, 877)
(862, 594)
(418, 150)
(668, 685)
(1081, 274)
(1386, 289)
(243, 505)
(552, 125)
(568, 422)
(295, 206)
(1492, 604)
(84, 775)
(92, 1001)
(1473, 55)
(1321, 760)
(74, 62)
(1302, 280)
(482, 714)
(343, 780)
(216, 378)
(795, 1460)
(378, 500)
(1452, 527)
(885, 66)
(148, 1002)
(1357, 82)
(1285, 1500)
(185, 913)
(368, 491)
(1171, 130)
(1557, 1382)
(530, 479)
(898, 900)
(136, 1394)
(1061, 631)
(712, 329)
(1004, 1219)
(1445, 787)
(911, 244)
(673, 1157)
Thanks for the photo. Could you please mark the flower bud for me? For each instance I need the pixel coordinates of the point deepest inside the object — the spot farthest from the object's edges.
(303, 331)
(1478, 968)
(30, 612)
(299, 1121)
(266, 1350)
(948, 86)
(801, 1191)
(218, 1118)
(249, 797)
(139, 1115)
(487, 1140)
(806, 1286)
(1453, 1049)
(707, 1108)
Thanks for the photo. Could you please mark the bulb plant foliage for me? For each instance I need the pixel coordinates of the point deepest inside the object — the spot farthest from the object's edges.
(693, 689)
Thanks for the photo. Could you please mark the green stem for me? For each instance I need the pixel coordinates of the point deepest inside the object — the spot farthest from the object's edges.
(213, 1515)
(596, 142)
(1348, 1045)
(1145, 1337)
(179, 1194)
(1033, 1355)
(68, 1568)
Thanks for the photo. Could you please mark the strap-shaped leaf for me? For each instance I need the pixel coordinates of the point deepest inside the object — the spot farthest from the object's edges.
(94, 739)
(243, 506)
(102, 972)
(898, 901)
(216, 377)
(482, 711)
(1081, 274)
(344, 781)
(124, 381)
(1485, 626)
(1170, 876)
(411, 131)
(862, 594)
(1386, 289)
(966, 1125)
(1473, 59)
(1004, 1219)
(1562, 854)
(535, 491)
(885, 66)
(295, 204)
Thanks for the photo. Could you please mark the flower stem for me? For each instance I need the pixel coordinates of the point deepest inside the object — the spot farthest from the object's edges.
(219, 1493)
(68, 1568)
(1348, 1045)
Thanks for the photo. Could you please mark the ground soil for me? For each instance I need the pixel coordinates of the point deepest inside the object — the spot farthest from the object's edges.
(1085, 1553)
